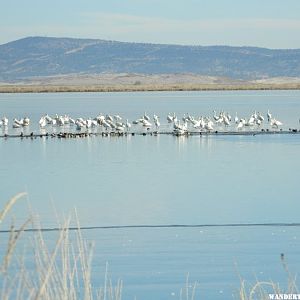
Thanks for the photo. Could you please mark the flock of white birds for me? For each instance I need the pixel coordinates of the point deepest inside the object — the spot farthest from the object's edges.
(117, 123)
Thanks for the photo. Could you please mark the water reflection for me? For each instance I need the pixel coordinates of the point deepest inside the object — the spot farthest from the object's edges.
(181, 142)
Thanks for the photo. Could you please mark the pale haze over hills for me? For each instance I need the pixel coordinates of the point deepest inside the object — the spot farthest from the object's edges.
(44, 56)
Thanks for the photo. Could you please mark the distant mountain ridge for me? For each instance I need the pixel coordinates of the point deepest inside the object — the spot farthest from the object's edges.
(48, 56)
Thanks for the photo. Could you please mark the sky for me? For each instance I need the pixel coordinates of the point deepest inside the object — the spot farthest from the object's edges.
(261, 23)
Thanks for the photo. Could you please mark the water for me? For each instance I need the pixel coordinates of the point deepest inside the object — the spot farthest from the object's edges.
(165, 180)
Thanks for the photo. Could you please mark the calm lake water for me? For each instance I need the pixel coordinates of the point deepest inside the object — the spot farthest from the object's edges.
(165, 180)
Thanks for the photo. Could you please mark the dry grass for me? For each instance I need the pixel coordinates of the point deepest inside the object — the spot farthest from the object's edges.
(261, 289)
(63, 271)
(145, 87)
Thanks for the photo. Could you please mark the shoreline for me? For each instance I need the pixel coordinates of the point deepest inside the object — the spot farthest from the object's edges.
(145, 88)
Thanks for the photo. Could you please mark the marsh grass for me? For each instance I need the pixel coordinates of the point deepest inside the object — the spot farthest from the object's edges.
(63, 271)
(189, 291)
(260, 290)
(146, 87)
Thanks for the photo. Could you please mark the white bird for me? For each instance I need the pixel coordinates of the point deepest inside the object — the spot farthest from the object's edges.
(42, 122)
(128, 125)
(197, 124)
(72, 121)
(60, 121)
(26, 121)
(269, 115)
(275, 123)
(157, 123)
(208, 125)
(185, 118)
(146, 117)
(146, 123)
(254, 115)
(226, 121)
(250, 122)
(17, 123)
(240, 125)
(180, 129)
(112, 125)
(108, 117)
(88, 123)
(117, 117)
(66, 119)
(236, 119)
(120, 128)
(106, 125)
(216, 118)
(48, 119)
(260, 117)
(4, 121)
(94, 123)
(100, 118)
(170, 118)
(175, 118)
(79, 125)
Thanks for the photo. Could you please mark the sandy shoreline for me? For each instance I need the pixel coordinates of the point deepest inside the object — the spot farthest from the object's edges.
(144, 87)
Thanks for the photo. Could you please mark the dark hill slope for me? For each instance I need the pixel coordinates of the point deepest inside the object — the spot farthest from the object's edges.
(42, 56)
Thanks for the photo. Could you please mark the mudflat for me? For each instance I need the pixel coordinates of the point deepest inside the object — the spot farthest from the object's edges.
(125, 82)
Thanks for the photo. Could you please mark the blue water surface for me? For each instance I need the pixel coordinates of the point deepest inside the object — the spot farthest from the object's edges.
(164, 179)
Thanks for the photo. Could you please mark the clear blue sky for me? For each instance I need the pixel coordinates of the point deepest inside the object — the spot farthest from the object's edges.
(263, 23)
